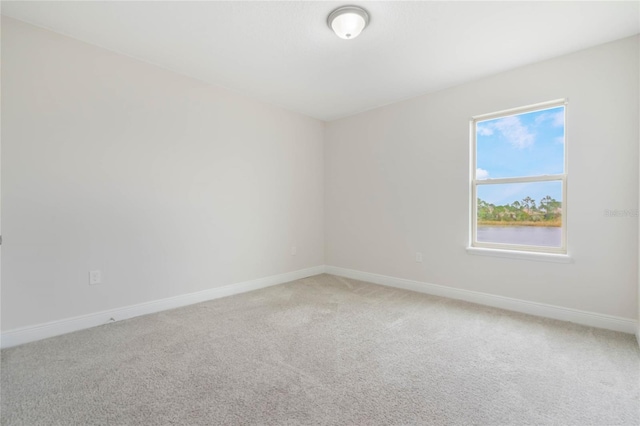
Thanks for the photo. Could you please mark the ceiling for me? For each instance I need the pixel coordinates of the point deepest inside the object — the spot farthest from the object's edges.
(283, 53)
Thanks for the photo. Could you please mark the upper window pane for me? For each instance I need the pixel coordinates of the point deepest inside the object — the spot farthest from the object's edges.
(528, 144)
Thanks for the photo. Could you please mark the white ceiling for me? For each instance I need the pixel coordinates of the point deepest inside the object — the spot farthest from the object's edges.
(284, 53)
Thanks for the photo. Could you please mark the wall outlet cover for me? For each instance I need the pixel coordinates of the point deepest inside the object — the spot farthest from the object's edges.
(95, 277)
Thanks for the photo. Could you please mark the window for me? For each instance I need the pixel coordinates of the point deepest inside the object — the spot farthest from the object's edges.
(519, 179)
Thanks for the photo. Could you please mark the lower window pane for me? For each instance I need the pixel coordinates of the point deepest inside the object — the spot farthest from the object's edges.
(527, 214)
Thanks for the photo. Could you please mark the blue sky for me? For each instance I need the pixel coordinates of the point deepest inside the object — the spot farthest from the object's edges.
(527, 144)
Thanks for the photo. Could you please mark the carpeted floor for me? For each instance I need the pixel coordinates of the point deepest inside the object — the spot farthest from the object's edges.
(326, 350)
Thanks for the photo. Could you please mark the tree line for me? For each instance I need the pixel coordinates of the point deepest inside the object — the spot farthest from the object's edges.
(548, 212)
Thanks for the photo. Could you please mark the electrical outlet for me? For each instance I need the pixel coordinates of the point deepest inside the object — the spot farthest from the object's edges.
(294, 250)
(95, 277)
(418, 257)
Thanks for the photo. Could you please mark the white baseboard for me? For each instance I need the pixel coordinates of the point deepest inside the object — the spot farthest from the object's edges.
(592, 319)
(55, 328)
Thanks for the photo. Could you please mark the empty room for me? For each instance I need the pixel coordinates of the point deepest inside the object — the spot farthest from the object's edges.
(319, 212)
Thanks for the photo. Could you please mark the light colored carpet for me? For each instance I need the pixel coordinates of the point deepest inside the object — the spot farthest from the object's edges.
(326, 350)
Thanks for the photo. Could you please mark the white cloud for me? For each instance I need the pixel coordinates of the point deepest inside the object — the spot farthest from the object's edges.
(556, 118)
(542, 118)
(514, 131)
(559, 139)
(484, 130)
(481, 173)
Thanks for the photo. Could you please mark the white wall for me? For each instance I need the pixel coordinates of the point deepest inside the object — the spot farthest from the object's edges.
(166, 184)
(397, 182)
(171, 186)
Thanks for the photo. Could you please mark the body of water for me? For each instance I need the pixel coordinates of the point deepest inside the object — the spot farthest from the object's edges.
(523, 235)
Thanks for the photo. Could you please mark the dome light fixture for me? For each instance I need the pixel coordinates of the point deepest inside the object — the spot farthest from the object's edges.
(348, 21)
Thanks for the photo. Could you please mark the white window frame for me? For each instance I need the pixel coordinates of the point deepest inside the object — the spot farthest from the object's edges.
(524, 179)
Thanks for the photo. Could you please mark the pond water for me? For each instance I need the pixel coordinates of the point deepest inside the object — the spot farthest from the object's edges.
(526, 235)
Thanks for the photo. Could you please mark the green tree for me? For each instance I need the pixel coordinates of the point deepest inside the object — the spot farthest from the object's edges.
(549, 210)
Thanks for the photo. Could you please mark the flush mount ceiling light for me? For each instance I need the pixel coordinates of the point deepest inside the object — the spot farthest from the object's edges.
(348, 21)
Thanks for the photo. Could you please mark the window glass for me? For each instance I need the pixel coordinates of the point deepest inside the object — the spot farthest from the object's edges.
(519, 179)
(520, 213)
(529, 144)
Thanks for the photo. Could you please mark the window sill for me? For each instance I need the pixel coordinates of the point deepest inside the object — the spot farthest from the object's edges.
(521, 255)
